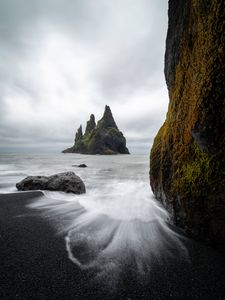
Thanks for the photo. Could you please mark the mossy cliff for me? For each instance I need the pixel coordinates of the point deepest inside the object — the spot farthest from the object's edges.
(103, 138)
(187, 162)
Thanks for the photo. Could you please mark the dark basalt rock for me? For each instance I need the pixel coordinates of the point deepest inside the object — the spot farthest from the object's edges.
(80, 166)
(78, 140)
(188, 155)
(103, 138)
(107, 121)
(67, 182)
(90, 125)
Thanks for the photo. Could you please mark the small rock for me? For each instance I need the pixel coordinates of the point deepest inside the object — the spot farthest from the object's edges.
(67, 182)
(82, 166)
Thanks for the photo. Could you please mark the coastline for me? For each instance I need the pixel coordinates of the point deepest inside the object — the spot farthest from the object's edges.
(35, 264)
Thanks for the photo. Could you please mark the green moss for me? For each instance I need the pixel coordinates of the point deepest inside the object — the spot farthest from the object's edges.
(189, 176)
(112, 131)
(193, 175)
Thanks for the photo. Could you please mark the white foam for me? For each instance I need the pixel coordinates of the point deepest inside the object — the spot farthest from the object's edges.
(115, 224)
(112, 226)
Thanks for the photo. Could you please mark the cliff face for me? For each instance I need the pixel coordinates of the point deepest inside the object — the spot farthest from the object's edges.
(187, 162)
(103, 138)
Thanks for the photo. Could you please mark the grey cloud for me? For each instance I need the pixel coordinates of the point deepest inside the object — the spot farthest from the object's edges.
(118, 49)
(131, 70)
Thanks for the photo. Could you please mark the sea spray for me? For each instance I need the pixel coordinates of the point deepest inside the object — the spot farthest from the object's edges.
(114, 227)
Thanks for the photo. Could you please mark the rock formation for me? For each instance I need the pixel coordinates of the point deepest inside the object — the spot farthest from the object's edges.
(187, 163)
(90, 125)
(103, 138)
(67, 182)
(80, 166)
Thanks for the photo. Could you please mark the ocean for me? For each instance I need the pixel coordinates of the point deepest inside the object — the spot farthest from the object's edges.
(116, 220)
(116, 230)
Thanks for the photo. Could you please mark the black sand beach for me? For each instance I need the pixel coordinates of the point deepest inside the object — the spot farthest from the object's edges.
(34, 261)
(34, 264)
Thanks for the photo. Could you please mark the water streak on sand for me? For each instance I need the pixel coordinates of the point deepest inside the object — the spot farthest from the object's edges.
(112, 227)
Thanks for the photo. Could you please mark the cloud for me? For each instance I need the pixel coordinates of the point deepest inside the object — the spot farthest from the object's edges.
(61, 60)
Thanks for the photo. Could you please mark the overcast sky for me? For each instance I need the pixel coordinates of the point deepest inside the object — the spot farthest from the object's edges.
(61, 60)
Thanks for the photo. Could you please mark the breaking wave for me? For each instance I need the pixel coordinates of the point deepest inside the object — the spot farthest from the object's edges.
(113, 227)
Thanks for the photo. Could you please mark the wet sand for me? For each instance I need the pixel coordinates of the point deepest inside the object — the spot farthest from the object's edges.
(34, 264)
(34, 260)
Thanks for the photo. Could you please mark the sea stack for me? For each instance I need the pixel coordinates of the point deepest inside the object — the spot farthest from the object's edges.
(103, 138)
(187, 165)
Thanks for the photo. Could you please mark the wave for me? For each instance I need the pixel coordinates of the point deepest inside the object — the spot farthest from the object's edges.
(112, 227)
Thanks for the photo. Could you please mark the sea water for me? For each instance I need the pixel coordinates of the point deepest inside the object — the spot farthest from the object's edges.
(117, 223)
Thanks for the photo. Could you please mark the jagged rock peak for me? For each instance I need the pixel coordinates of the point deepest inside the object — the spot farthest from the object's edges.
(107, 120)
(79, 134)
(105, 138)
(90, 124)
